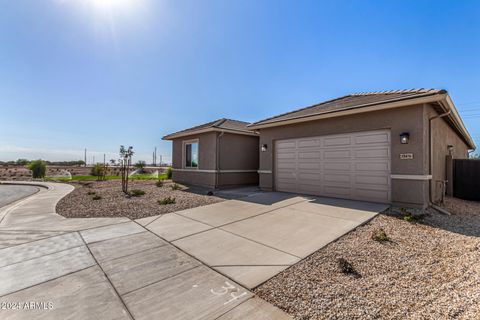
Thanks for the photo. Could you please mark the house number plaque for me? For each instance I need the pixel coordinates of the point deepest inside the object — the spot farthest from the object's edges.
(406, 156)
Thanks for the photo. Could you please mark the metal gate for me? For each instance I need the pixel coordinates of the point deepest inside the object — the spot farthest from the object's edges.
(466, 179)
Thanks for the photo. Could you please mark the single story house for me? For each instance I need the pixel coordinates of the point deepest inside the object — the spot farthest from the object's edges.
(389, 147)
(216, 154)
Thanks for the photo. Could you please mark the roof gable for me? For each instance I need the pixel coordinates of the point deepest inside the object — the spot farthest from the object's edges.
(223, 124)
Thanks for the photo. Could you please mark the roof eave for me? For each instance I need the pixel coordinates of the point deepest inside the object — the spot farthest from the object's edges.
(400, 102)
(458, 122)
(206, 130)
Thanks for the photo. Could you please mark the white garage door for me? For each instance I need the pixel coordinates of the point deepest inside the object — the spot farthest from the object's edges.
(351, 166)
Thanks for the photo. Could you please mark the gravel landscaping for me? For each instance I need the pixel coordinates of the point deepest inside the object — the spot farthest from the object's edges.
(105, 199)
(426, 269)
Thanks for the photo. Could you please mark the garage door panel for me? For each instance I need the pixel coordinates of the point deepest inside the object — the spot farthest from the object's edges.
(380, 137)
(337, 154)
(286, 175)
(336, 166)
(308, 143)
(309, 165)
(336, 191)
(372, 166)
(287, 155)
(285, 144)
(309, 155)
(377, 153)
(286, 166)
(332, 141)
(353, 166)
(308, 177)
(329, 177)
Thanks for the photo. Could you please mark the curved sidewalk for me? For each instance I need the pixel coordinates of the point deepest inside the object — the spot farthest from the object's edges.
(106, 268)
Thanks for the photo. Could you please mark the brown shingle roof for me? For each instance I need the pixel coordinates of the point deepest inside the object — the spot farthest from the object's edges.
(351, 101)
(227, 124)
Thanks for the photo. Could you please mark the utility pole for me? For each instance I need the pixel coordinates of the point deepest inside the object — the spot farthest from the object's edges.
(85, 157)
(160, 160)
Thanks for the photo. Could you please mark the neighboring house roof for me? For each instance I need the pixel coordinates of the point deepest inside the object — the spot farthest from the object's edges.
(225, 125)
(369, 101)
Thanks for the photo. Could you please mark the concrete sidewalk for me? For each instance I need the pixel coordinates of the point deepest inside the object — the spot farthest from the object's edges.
(106, 268)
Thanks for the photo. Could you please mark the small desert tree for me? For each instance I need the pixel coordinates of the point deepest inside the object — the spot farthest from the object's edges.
(38, 167)
(125, 162)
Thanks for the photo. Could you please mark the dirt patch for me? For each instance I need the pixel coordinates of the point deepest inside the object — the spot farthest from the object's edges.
(423, 271)
(105, 199)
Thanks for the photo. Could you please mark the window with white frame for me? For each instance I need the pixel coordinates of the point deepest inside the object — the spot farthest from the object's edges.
(191, 154)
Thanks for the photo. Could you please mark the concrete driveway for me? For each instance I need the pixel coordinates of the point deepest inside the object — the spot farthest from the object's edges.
(253, 238)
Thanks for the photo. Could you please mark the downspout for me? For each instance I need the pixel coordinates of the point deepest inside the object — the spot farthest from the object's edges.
(430, 155)
(217, 164)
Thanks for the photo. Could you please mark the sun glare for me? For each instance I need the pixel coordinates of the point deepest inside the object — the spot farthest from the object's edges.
(113, 4)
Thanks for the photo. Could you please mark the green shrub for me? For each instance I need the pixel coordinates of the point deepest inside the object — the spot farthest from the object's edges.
(137, 193)
(380, 235)
(169, 173)
(347, 268)
(167, 200)
(159, 183)
(96, 197)
(408, 217)
(38, 167)
(175, 186)
(97, 170)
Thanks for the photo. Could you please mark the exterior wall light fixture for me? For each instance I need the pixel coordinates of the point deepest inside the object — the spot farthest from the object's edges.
(264, 147)
(404, 138)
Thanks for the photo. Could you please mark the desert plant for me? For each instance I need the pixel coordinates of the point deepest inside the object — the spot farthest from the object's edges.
(38, 167)
(91, 193)
(347, 268)
(175, 186)
(169, 173)
(159, 183)
(167, 200)
(125, 162)
(137, 193)
(408, 217)
(96, 197)
(97, 170)
(380, 235)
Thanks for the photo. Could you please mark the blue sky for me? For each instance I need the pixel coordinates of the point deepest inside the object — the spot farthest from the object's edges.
(93, 74)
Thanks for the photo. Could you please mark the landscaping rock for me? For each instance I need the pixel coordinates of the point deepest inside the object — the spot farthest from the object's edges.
(114, 203)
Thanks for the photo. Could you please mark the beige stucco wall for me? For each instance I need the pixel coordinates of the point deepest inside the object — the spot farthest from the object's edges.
(399, 120)
(442, 136)
(235, 152)
(238, 152)
(196, 178)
